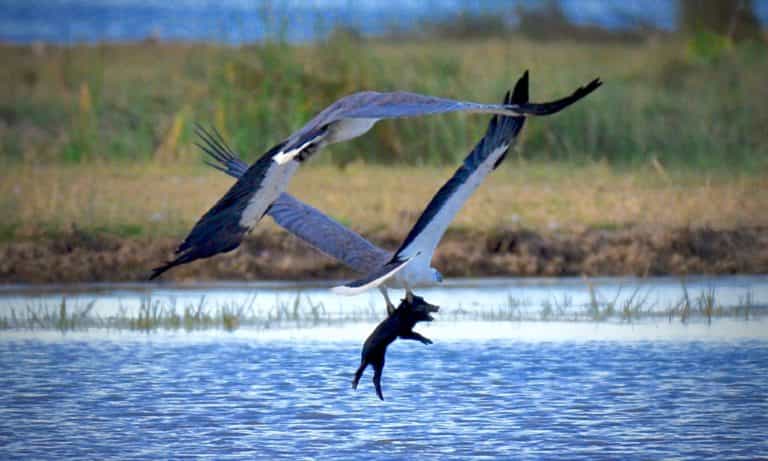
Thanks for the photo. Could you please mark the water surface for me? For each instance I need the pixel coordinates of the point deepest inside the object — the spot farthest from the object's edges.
(646, 389)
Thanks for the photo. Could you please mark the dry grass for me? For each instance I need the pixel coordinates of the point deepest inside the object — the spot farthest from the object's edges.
(156, 200)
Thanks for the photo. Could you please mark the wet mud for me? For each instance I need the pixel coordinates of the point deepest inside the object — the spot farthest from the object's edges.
(77, 257)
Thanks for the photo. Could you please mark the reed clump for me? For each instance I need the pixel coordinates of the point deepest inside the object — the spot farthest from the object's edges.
(302, 312)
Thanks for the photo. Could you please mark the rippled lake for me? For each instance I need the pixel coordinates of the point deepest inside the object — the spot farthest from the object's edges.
(650, 388)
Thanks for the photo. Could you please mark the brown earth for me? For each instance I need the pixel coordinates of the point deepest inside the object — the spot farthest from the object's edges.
(83, 257)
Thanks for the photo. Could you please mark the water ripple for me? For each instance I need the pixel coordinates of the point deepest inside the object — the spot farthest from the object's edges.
(232, 399)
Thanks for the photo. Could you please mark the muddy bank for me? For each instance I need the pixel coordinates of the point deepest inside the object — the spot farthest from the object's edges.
(81, 257)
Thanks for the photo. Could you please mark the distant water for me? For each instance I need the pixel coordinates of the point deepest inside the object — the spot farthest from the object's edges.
(241, 396)
(237, 21)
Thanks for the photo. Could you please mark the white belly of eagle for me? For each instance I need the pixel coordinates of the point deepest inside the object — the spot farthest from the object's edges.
(349, 128)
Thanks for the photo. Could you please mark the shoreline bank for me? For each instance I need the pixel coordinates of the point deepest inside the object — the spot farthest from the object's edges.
(641, 251)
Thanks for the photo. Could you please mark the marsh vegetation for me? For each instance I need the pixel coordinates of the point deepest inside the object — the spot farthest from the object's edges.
(622, 303)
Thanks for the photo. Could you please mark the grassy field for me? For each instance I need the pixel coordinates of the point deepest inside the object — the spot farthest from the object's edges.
(668, 100)
(165, 201)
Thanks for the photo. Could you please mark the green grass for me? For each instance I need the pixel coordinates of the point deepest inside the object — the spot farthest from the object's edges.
(138, 102)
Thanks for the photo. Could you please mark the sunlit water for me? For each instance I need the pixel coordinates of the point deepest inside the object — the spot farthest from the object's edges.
(649, 389)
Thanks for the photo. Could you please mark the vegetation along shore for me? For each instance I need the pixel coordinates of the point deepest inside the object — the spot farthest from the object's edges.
(662, 172)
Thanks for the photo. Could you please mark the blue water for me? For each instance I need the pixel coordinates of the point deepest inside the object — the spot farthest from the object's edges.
(237, 21)
(650, 388)
(222, 396)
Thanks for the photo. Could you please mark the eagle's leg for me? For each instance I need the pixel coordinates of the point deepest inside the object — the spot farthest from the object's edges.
(390, 306)
(408, 293)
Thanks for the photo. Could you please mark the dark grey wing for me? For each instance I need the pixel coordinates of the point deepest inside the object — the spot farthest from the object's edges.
(403, 104)
(222, 157)
(327, 235)
(304, 221)
(222, 228)
(219, 230)
(341, 120)
(484, 158)
(434, 220)
(552, 107)
(375, 105)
